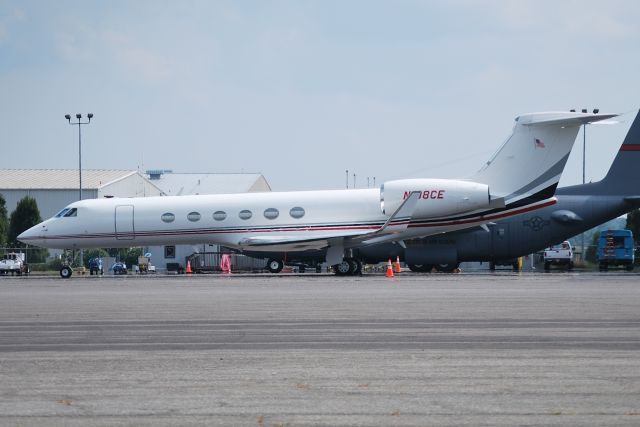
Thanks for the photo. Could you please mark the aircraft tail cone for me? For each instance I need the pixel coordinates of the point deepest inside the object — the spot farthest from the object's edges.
(389, 269)
(398, 264)
(189, 270)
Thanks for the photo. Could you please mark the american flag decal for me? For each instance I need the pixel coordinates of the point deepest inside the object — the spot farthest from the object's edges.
(538, 143)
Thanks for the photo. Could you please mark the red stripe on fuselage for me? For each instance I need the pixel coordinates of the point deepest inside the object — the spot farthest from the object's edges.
(481, 218)
(630, 147)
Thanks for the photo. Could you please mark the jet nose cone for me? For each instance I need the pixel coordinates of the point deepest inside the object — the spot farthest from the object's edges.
(34, 235)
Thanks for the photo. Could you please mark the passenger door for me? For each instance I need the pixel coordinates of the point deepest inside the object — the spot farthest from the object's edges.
(124, 223)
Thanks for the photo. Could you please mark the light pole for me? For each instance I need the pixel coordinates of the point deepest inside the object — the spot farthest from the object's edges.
(79, 123)
(584, 156)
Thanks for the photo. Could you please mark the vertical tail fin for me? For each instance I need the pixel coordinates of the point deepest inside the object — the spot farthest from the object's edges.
(530, 163)
(623, 176)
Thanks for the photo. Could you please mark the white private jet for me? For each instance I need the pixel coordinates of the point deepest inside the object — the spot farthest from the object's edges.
(520, 177)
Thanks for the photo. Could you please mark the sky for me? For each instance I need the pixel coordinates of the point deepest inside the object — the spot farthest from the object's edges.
(302, 91)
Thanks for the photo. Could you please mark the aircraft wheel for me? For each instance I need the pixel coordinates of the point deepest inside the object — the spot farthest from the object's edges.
(356, 266)
(66, 272)
(447, 268)
(343, 269)
(420, 268)
(275, 265)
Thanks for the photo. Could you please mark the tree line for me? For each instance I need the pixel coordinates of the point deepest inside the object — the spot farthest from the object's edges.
(25, 216)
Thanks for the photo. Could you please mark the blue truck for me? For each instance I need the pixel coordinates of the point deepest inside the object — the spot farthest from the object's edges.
(616, 248)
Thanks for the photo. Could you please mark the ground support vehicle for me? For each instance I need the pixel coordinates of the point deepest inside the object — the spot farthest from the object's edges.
(616, 248)
(119, 268)
(95, 266)
(561, 254)
(144, 265)
(13, 263)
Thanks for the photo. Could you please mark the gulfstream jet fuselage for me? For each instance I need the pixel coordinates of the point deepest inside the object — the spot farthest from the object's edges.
(520, 177)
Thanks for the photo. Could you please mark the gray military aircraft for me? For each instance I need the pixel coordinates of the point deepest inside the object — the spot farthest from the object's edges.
(578, 209)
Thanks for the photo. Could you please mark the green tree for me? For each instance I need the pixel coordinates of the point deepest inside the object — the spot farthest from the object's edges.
(94, 253)
(633, 224)
(4, 221)
(592, 250)
(25, 216)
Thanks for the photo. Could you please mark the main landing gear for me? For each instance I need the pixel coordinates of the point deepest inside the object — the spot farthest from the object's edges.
(348, 267)
(427, 268)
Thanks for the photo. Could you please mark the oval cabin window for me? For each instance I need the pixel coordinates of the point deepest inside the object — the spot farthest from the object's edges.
(296, 212)
(219, 215)
(168, 217)
(271, 213)
(193, 216)
(245, 214)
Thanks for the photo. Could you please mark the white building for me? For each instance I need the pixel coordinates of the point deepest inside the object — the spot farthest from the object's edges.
(184, 184)
(53, 189)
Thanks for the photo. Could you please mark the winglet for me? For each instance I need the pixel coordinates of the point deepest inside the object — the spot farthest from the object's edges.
(401, 217)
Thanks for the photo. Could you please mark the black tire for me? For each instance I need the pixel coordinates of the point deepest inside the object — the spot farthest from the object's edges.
(66, 272)
(447, 268)
(356, 266)
(570, 266)
(420, 268)
(547, 266)
(628, 267)
(275, 265)
(604, 266)
(345, 268)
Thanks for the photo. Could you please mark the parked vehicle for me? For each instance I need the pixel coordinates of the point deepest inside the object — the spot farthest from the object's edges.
(95, 266)
(119, 268)
(560, 254)
(144, 265)
(14, 263)
(616, 248)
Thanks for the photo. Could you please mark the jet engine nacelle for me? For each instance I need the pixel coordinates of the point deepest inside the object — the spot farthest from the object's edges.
(438, 197)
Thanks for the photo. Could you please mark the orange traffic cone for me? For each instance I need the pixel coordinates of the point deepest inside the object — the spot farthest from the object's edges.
(189, 270)
(397, 264)
(389, 269)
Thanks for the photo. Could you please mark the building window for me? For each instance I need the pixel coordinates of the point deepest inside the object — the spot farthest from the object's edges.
(219, 215)
(296, 212)
(170, 252)
(245, 214)
(193, 216)
(168, 217)
(271, 213)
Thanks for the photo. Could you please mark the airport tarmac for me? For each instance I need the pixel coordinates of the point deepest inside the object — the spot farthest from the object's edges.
(266, 350)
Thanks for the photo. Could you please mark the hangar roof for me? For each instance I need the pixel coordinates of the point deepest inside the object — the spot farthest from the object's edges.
(59, 179)
(183, 184)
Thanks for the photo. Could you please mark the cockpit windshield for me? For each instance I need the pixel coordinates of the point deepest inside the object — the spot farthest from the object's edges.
(61, 213)
(67, 212)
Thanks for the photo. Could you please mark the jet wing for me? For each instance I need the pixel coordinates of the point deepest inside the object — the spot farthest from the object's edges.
(396, 223)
